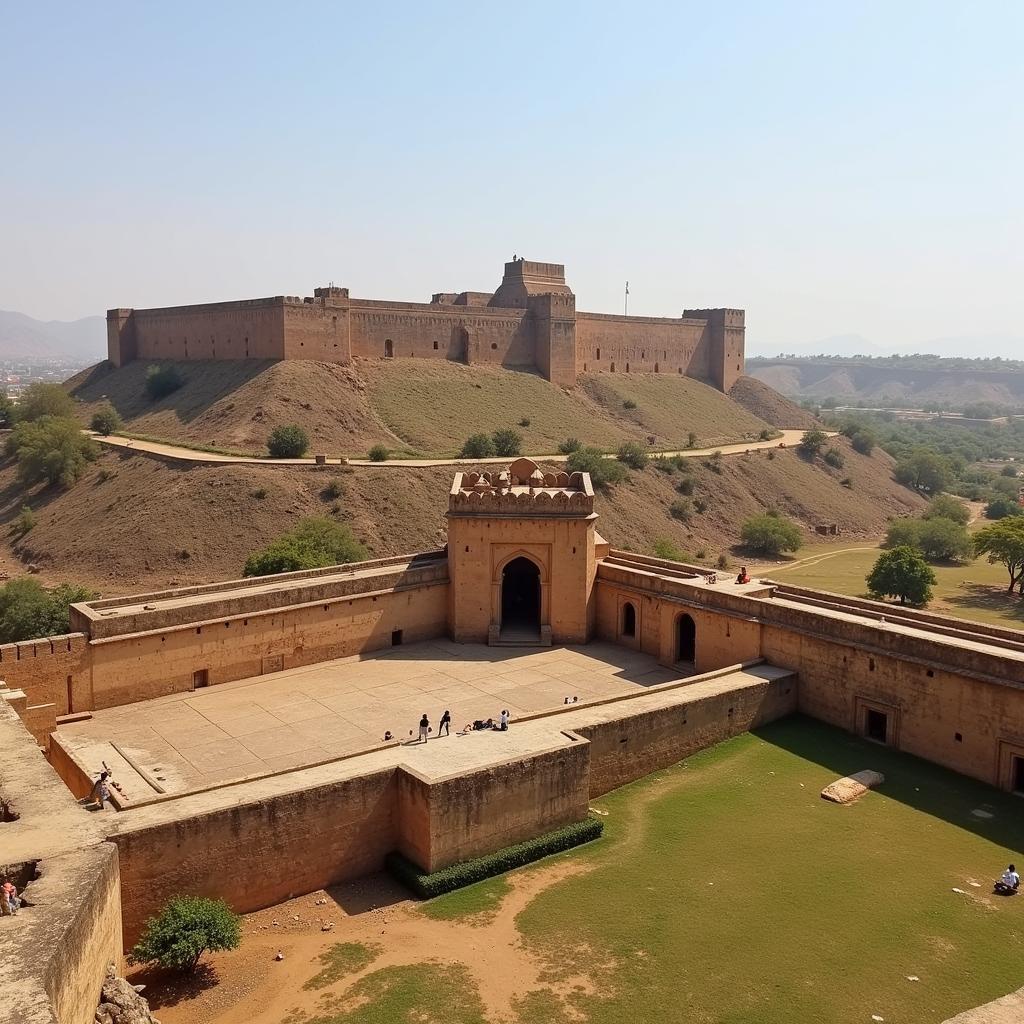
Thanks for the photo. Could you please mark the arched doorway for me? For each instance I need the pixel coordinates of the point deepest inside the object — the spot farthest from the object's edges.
(686, 638)
(389, 348)
(520, 596)
(628, 619)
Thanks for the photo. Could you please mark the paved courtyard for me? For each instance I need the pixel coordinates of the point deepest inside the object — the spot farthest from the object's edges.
(300, 716)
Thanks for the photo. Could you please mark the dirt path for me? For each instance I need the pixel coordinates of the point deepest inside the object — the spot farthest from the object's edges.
(178, 453)
(769, 568)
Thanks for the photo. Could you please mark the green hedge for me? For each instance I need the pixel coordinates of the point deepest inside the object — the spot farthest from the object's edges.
(437, 883)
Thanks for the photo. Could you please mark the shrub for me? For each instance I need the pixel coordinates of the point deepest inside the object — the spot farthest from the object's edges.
(812, 442)
(771, 454)
(691, 440)
(723, 562)
(664, 548)
(104, 475)
(902, 573)
(28, 611)
(315, 543)
(945, 506)
(507, 442)
(332, 490)
(771, 534)
(570, 445)
(23, 522)
(260, 493)
(663, 464)
(629, 404)
(378, 453)
(524, 422)
(1003, 506)
(863, 441)
(426, 886)
(681, 510)
(479, 446)
(162, 381)
(686, 485)
(1010, 471)
(846, 482)
(42, 399)
(701, 554)
(185, 929)
(700, 506)
(765, 435)
(106, 420)
(714, 462)
(834, 458)
(288, 442)
(604, 473)
(633, 454)
(51, 448)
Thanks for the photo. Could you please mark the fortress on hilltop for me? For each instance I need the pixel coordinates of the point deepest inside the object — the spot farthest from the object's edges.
(530, 322)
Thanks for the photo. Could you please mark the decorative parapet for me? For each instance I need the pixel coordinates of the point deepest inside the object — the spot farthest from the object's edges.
(523, 489)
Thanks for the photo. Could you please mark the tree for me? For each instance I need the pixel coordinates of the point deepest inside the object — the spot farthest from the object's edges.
(162, 381)
(106, 420)
(288, 442)
(1002, 507)
(570, 445)
(315, 543)
(945, 506)
(633, 454)
(28, 611)
(479, 446)
(936, 539)
(51, 448)
(812, 442)
(902, 573)
(507, 441)
(6, 409)
(923, 470)
(42, 399)
(604, 473)
(1003, 541)
(863, 441)
(185, 929)
(379, 453)
(771, 534)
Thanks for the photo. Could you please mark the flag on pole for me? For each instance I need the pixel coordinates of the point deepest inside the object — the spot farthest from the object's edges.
(627, 287)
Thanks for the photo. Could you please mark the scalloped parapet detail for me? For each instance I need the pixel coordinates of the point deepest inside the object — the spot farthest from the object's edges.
(522, 489)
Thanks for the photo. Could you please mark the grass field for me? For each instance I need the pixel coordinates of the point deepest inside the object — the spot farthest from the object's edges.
(973, 591)
(727, 890)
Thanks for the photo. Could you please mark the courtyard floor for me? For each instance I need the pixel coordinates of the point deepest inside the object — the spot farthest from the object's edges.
(305, 715)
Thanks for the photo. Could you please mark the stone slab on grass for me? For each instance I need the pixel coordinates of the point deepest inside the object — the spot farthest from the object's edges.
(852, 787)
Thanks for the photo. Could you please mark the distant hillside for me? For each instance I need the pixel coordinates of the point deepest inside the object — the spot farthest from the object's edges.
(951, 383)
(762, 401)
(418, 406)
(80, 341)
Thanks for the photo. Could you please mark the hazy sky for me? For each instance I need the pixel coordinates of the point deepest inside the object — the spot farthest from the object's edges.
(834, 168)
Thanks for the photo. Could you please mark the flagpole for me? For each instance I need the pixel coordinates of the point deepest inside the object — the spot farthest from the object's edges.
(625, 301)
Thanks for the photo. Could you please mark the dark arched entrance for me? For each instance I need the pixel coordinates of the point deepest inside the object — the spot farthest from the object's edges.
(628, 620)
(389, 348)
(686, 638)
(520, 596)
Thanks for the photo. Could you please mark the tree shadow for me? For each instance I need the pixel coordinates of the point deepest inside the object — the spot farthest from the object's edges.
(982, 597)
(169, 988)
(926, 787)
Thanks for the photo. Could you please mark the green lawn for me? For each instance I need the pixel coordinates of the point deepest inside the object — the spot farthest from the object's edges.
(727, 890)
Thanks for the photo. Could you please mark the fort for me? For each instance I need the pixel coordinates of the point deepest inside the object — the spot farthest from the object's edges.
(530, 322)
(244, 719)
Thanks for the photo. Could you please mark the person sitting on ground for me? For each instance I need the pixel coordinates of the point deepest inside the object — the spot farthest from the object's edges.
(743, 576)
(424, 728)
(10, 895)
(479, 725)
(503, 726)
(388, 736)
(711, 578)
(100, 780)
(1009, 883)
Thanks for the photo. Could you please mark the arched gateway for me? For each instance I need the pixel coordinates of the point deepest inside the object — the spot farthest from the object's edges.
(520, 597)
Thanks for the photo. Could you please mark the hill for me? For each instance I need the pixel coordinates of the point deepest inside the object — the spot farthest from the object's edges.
(417, 406)
(77, 341)
(135, 523)
(767, 404)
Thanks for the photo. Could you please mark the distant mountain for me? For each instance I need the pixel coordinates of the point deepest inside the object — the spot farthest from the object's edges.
(22, 337)
(982, 345)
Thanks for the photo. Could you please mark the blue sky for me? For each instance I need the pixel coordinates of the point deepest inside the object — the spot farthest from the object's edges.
(832, 168)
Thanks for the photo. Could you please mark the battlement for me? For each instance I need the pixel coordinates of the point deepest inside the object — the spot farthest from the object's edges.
(525, 278)
(523, 489)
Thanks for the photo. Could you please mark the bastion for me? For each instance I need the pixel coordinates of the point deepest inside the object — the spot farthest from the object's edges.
(259, 730)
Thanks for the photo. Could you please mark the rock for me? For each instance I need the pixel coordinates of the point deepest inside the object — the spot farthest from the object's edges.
(279, 955)
(121, 1003)
(852, 787)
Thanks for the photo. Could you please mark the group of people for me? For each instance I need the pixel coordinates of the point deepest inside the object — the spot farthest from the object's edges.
(10, 901)
(444, 726)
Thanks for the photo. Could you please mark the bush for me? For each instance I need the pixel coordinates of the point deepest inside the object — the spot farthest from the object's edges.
(664, 548)
(162, 381)
(714, 462)
(427, 886)
(1003, 506)
(24, 522)
(834, 458)
(185, 929)
(332, 490)
(723, 562)
(106, 420)
(260, 493)
(378, 453)
(479, 446)
(570, 445)
(663, 464)
(935, 539)
(700, 506)
(770, 534)
(691, 440)
(524, 422)
(1009, 471)
(629, 404)
(812, 442)
(633, 454)
(314, 544)
(686, 485)
(51, 448)
(28, 611)
(42, 399)
(902, 573)
(681, 510)
(945, 506)
(604, 473)
(846, 482)
(765, 435)
(507, 442)
(288, 442)
(863, 441)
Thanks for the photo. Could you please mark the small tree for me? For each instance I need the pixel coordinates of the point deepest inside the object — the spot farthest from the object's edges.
(106, 420)
(43, 399)
(1004, 542)
(570, 445)
(812, 442)
(288, 442)
(834, 458)
(863, 441)
(944, 540)
(162, 381)
(315, 543)
(479, 446)
(604, 473)
(902, 573)
(23, 522)
(185, 929)
(1002, 507)
(51, 448)
(681, 510)
(691, 440)
(378, 453)
(923, 470)
(770, 534)
(28, 611)
(507, 441)
(633, 454)
(945, 506)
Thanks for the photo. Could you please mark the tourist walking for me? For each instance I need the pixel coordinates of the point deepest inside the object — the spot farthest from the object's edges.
(424, 728)
(10, 897)
(445, 723)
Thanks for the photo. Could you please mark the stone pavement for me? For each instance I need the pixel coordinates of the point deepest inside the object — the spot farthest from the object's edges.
(305, 715)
